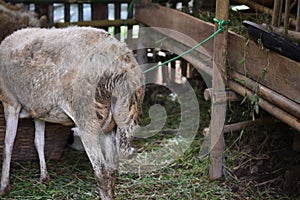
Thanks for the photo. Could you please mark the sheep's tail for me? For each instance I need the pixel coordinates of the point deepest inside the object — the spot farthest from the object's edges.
(127, 112)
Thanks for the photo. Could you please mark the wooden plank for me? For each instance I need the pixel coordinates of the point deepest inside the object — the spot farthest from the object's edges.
(282, 73)
(157, 16)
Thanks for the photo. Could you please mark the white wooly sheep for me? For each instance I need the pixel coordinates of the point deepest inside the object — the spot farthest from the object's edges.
(72, 75)
(14, 17)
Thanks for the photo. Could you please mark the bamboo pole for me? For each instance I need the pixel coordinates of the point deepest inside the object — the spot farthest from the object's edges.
(298, 17)
(255, 6)
(218, 109)
(276, 15)
(266, 121)
(230, 95)
(253, 123)
(271, 96)
(287, 14)
(293, 35)
(273, 110)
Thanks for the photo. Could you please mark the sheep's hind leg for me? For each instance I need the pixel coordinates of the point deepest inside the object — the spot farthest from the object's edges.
(39, 142)
(11, 117)
(102, 152)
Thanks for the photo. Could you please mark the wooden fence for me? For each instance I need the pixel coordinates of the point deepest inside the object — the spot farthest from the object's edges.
(110, 15)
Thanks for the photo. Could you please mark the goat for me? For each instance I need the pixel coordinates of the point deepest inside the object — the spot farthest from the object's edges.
(72, 75)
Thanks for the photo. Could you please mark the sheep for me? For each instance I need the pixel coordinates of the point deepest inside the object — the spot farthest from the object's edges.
(14, 17)
(79, 75)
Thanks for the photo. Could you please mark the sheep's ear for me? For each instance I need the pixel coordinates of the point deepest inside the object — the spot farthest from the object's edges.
(43, 21)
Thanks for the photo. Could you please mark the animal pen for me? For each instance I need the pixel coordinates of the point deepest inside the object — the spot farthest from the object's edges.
(277, 91)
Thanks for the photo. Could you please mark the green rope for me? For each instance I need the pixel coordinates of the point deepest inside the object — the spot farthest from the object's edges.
(221, 28)
(129, 10)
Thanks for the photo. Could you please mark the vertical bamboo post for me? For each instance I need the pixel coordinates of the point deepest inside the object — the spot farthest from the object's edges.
(218, 108)
(298, 17)
(141, 50)
(129, 27)
(117, 16)
(276, 13)
(287, 15)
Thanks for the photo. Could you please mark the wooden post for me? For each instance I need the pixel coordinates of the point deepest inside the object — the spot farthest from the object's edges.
(218, 109)
(80, 12)
(67, 12)
(287, 14)
(298, 17)
(276, 13)
(129, 27)
(99, 11)
(296, 143)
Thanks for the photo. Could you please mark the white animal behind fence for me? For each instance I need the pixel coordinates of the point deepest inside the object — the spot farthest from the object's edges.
(73, 75)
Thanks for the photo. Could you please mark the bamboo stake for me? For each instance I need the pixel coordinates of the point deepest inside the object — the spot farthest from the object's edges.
(230, 95)
(287, 14)
(273, 110)
(276, 13)
(218, 109)
(273, 97)
(298, 17)
(241, 125)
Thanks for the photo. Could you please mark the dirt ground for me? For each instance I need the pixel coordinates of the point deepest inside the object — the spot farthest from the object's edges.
(265, 159)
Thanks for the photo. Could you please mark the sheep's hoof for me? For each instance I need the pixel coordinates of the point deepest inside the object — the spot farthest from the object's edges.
(5, 191)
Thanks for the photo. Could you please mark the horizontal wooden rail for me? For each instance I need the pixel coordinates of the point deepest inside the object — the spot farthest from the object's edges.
(271, 96)
(282, 73)
(68, 1)
(97, 23)
(270, 108)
